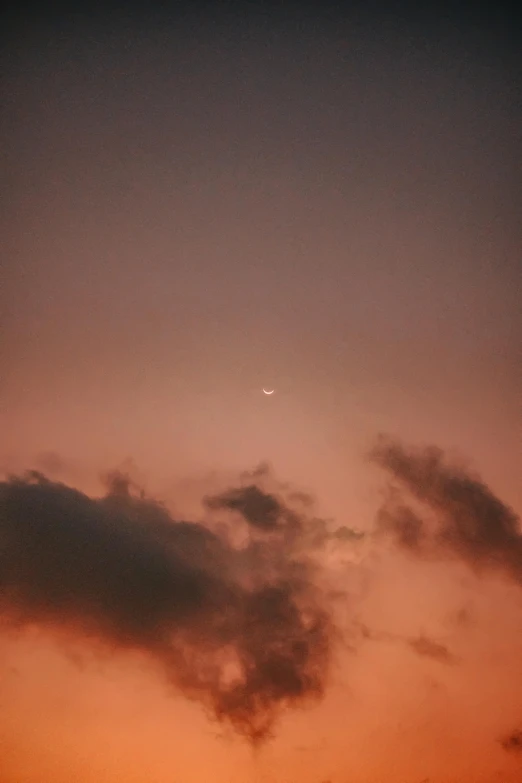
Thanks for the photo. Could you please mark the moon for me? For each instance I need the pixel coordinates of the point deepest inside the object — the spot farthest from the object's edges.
(269, 392)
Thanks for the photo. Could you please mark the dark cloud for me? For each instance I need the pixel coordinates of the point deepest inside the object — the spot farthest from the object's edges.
(513, 742)
(422, 645)
(258, 508)
(242, 628)
(464, 518)
(429, 648)
(344, 533)
(406, 526)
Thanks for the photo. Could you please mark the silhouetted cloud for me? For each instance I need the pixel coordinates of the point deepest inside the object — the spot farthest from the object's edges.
(344, 533)
(513, 742)
(466, 519)
(422, 645)
(429, 648)
(258, 508)
(242, 628)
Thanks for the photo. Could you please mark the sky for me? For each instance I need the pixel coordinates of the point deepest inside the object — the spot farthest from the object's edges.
(197, 205)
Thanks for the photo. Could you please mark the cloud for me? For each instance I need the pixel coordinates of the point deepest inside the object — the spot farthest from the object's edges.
(513, 742)
(422, 645)
(259, 508)
(464, 518)
(429, 648)
(240, 627)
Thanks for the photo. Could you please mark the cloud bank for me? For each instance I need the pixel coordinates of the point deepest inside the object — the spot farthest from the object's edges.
(234, 609)
(240, 627)
(459, 515)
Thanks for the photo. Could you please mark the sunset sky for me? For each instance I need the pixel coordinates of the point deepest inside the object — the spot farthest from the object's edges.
(199, 205)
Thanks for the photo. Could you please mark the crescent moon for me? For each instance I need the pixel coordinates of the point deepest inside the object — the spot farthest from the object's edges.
(269, 392)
